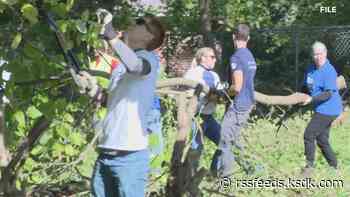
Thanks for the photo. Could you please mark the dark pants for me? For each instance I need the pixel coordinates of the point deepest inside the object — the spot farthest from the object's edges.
(318, 131)
(223, 160)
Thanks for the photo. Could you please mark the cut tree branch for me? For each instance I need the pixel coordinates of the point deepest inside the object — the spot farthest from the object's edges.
(10, 172)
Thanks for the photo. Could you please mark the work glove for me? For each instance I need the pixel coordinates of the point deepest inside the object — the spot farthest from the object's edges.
(87, 84)
(105, 18)
(222, 86)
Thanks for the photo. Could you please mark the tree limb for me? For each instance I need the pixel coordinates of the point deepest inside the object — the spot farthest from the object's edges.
(291, 99)
(10, 172)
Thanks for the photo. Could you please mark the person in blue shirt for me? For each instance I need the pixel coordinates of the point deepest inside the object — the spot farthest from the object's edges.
(122, 167)
(320, 82)
(243, 68)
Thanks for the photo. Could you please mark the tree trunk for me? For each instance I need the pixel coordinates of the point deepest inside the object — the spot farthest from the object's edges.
(9, 174)
(182, 170)
(205, 21)
(4, 153)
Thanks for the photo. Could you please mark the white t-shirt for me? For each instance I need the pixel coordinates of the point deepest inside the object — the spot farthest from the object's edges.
(125, 125)
(205, 77)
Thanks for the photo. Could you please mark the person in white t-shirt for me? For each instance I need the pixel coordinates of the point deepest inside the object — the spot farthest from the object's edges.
(202, 71)
(122, 167)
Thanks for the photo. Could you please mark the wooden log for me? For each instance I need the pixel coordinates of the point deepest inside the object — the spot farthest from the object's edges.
(291, 99)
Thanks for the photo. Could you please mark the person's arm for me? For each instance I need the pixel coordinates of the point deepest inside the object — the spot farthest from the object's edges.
(133, 64)
(324, 96)
(236, 76)
(330, 86)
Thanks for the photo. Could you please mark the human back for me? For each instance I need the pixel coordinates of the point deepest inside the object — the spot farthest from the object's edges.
(128, 104)
(246, 63)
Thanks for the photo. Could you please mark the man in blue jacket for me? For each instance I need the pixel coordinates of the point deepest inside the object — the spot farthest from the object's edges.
(320, 80)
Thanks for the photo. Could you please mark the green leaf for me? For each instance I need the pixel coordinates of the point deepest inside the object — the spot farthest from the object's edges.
(29, 164)
(101, 113)
(31, 52)
(85, 15)
(18, 184)
(41, 98)
(30, 13)
(63, 26)
(16, 41)
(63, 130)
(2, 7)
(81, 26)
(68, 118)
(76, 138)
(70, 150)
(9, 2)
(19, 117)
(44, 139)
(60, 9)
(57, 149)
(33, 112)
(85, 170)
(69, 5)
(103, 82)
(37, 150)
(36, 178)
(153, 140)
(86, 167)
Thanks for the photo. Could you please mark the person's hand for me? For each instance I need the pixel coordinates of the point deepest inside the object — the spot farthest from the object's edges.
(212, 97)
(105, 18)
(231, 91)
(341, 119)
(87, 83)
(306, 99)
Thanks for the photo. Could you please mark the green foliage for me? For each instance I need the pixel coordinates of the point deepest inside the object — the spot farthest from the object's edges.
(30, 48)
(30, 13)
(279, 157)
(16, 41)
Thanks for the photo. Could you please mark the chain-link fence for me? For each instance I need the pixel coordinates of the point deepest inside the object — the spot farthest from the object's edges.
(285, 53)
(282, 54)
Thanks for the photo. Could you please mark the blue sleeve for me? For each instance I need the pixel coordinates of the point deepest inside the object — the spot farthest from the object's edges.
(235, 64)
(156, 102)
(330, 80)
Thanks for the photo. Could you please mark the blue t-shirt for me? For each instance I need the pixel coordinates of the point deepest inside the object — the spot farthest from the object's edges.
(322, 79)
(244, 61)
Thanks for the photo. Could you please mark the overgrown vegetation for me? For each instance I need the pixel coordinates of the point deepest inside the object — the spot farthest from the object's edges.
(40, 88)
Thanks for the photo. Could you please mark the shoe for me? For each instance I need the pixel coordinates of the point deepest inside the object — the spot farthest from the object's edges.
(334, 171)
(307, 172)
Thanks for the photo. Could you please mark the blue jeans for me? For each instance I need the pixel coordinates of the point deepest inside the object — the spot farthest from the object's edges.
(121, 176)
(211, 129)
